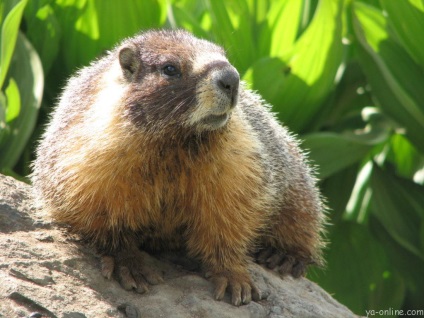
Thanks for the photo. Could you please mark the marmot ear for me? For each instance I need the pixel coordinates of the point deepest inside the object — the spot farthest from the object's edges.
(129, 61)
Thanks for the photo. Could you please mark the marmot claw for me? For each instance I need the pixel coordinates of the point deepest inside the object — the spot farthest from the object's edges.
(239, 285)
(282, 262)
(131, 271)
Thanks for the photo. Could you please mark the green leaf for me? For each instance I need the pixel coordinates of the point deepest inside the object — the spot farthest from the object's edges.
(337, 190)
(422, 233)
(258, 77)
(408, 161)
(27, 70)
(334, 152)
(407, 17)
(89, 28)
(284, 18)
(43, 30)
(406, 263)
(3, 126)
(183, 18)
(13, 174)
(375, 128)
(249, 30)
(358, 206)
(347, 100)
(297, 84)
(358, 272)
(233, 24)
(394, 77)
(9, 33)
(398, 205)
(221, 16)
(13, 106)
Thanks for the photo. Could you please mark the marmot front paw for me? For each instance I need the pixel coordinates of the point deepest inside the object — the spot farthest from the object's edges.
(131, 271)
(283, 263)
(239, 285)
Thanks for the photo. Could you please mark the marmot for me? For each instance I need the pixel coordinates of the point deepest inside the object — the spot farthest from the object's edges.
(157, 145)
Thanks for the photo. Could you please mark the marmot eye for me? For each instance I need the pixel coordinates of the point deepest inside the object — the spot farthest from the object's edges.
(171, 70)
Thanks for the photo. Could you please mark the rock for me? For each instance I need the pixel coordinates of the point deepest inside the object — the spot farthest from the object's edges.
(44, 272)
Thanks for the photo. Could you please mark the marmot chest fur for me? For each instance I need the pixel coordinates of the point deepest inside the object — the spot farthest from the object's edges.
(157, 145)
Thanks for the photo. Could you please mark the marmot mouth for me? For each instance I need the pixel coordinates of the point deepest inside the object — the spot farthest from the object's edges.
(215, 121)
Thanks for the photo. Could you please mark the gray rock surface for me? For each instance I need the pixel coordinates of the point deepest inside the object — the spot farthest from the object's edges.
(44, 272)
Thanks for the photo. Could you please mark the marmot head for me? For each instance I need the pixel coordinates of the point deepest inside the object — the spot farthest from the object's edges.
(177, 81)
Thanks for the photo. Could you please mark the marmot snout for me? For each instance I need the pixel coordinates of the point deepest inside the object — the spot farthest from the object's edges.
(218, 95)
(158, 146)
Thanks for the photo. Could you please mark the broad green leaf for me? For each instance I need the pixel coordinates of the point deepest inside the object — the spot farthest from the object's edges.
(407, 17)
(248, 29)
(259, 76)
(405, 156)
(377, 127)
(13, 106)
(337, 189)
(308, 10)
(314, 63)
(406, 263)
(89, 28)
(43, 30)
(231, 23)
(284, 19)
(394, 77)
(298, 84)
(183, 18)
(333, 152)
(27, 70)
(5, 7)
(399, 206)
(344, 105)
(9, 33)
(358, 271)
(117, 21)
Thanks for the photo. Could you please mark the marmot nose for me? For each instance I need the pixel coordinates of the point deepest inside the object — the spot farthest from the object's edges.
(228, 82)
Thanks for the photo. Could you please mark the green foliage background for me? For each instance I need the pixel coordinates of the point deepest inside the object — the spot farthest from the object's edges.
(347, 76)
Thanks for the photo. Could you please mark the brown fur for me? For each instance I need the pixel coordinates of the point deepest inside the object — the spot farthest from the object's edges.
(132, 161)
